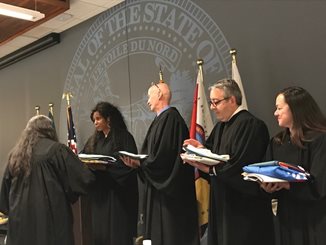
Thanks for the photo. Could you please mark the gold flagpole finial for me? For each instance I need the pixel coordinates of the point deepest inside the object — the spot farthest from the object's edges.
(200, 63)
(67, 95)
(37, 108)
(233, 53)
(51, 107)
(161, 76)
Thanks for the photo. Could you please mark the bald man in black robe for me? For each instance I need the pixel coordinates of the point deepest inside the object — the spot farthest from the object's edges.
(167, 202)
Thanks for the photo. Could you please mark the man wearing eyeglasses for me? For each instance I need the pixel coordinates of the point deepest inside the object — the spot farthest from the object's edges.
(238, 214)
(167, 202)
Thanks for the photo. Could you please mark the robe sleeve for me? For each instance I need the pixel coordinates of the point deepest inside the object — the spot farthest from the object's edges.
(269, 156)
(5, 189)
(316, 188)
(75, 177)
(247, 146)
(162, 167)
(121, 173)
(209, 145)
(211, 138)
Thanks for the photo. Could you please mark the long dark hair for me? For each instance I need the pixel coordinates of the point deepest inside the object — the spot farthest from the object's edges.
(116, 121)
(308, 119)
(21, 154)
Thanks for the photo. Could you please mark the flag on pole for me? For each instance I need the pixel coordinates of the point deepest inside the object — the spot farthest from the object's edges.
(51, 114)
(161, 76)
(37, 109)
(72, 141)
(236, 77)
(200, 127)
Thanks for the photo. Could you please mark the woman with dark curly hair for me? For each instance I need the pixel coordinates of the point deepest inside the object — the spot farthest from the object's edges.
(301, 208)
(114, 196)
(42, 179)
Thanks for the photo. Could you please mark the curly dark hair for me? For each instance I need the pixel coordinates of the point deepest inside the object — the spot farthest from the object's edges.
(20, 156)
(117, 124)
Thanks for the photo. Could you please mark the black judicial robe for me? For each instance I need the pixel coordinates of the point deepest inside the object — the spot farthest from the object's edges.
(114, 195)
(239, 214)
(167, 207)
(39, 206)
(302, 209)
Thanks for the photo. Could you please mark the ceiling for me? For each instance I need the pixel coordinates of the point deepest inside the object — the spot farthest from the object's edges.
(60, 15)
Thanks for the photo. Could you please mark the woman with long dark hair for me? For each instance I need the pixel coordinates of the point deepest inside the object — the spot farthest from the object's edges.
(42, 179)
(114, 196)
(301, 208)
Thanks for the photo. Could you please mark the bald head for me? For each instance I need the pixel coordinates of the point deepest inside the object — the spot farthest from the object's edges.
(166, 92)
(159, 96)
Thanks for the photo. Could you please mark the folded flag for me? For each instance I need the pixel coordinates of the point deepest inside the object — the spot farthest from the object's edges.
(132, 155)
(279, 170)
(204, 152)
(261, 178)
(95, 158)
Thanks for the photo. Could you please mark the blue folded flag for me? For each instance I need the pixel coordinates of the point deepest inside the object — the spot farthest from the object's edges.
(280, 170)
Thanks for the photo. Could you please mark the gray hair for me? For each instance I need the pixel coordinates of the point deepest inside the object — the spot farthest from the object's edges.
(20, 156)
(230, 88)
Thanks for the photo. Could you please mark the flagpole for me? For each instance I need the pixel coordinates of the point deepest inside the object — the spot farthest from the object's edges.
(79, 208)
(37, 108)
(51, 115)
(161, 76)
(67, 96)
(51, 107)
(200, 64)
(236, 77)
(233, 53)
(200, 127)
(72, 141)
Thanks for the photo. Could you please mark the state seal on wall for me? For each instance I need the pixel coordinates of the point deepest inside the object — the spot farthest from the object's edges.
(125, 47)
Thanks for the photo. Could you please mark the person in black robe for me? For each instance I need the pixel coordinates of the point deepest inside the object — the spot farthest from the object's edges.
(301, 209)
(41, 181)
(167, 202)
(114, 195)
(239, 213)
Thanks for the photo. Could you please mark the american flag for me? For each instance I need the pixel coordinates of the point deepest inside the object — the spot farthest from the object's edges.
(72, 141)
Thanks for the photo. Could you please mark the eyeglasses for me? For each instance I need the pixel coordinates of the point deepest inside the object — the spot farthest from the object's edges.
(216, 102)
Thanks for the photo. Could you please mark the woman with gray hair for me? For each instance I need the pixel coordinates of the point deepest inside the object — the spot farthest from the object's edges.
(42, 179)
